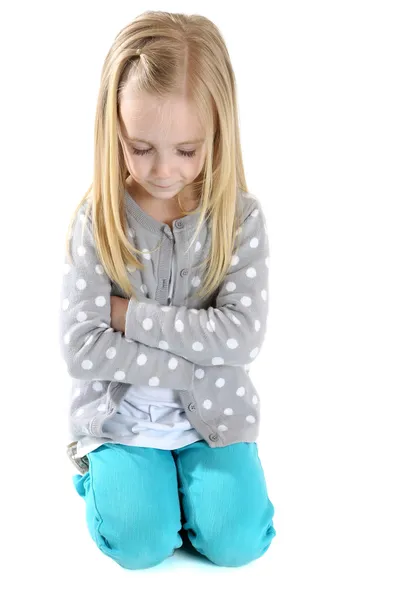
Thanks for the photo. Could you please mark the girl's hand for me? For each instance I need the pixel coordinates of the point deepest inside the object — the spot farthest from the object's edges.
(119, 306)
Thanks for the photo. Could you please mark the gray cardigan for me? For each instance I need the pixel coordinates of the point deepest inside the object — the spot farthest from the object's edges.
(200, 347)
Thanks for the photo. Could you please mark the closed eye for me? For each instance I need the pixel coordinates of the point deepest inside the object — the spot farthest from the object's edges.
(188, 154)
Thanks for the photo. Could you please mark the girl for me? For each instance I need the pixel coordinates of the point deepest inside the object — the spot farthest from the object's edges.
(164, 305)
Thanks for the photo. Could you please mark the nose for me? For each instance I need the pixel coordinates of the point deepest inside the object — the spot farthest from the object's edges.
(162, 171)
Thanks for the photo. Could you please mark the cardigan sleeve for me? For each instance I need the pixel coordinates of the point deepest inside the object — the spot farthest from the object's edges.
(90, 347)
(233, 331)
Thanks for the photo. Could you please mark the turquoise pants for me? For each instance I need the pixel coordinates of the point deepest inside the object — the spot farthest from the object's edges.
(135, 498)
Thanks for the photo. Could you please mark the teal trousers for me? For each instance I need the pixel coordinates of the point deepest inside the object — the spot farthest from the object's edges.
(143, 503)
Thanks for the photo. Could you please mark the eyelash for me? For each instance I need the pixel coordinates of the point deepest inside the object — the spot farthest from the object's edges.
(187, 154)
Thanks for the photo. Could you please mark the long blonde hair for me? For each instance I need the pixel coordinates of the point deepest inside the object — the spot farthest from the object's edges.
(177, 52)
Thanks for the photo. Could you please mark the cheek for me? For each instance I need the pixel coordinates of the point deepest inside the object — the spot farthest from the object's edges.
(136, 165)
(199, 165)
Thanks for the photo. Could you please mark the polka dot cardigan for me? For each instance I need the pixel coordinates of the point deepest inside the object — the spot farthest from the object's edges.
(200, 347)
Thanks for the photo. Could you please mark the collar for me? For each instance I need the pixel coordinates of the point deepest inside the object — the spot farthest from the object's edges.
(132, 207)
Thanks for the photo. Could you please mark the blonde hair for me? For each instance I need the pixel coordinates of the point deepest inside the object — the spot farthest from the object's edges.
(168, 53)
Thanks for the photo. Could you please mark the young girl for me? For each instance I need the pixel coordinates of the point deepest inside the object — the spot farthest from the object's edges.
(164, 306)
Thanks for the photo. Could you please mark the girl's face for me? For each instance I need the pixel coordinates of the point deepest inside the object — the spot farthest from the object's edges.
(163, 143)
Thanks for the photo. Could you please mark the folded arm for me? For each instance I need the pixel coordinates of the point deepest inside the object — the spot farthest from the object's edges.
(232, 333)
(90, 347)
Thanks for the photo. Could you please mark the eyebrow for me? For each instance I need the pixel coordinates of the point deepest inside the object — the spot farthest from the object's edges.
(134, 139)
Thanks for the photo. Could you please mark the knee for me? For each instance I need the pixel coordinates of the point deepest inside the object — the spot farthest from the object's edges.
(144, 557)
(237, 547)
(138, 545)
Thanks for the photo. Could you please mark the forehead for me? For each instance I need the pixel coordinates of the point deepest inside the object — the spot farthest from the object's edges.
(161, 121)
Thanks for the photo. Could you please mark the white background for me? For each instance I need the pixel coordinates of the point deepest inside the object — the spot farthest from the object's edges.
(319, 98)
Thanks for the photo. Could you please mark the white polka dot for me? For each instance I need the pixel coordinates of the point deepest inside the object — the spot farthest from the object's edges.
(220, 382)
(254, 242)
(111, 352)
(211, 325)
(131, 232)
(250, 419)
(100, 301)
(179, 325)
(207, 404)
(97, 386)
(163, 345)
(67, 268)
(105, 326)
(255, 213)
(228, 411)
(255, 399)
(77, 393)
(251, 272)
(196, 281)
(193, 310)
(198, 346)
(172, 363)
(245, 300)
(264, 294)
(217, 360)
(240, 391)
(81, 284)
(235, 260)
(199, 373)
(67, 338)
(65, 304)
(147, 324)
(79, 412)
(232, 343)
(81, 250)
(222, 428)
(119, 375)
(257, 325)
(87, 364)
(166, 308)
(141, 359)
(146, 254)
(81, 316)
(143, 288)
(254, 353)
(198, 246)
(102, 407)
(99, 269)
(154, 381)
(230, 286)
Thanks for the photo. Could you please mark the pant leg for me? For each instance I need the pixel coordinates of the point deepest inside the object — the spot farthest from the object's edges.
(226, 509)
(132, 503)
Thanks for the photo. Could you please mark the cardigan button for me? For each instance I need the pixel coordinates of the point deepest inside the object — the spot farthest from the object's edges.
(179, 224)
(192, 406)
(184, 272)
(213, 437)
